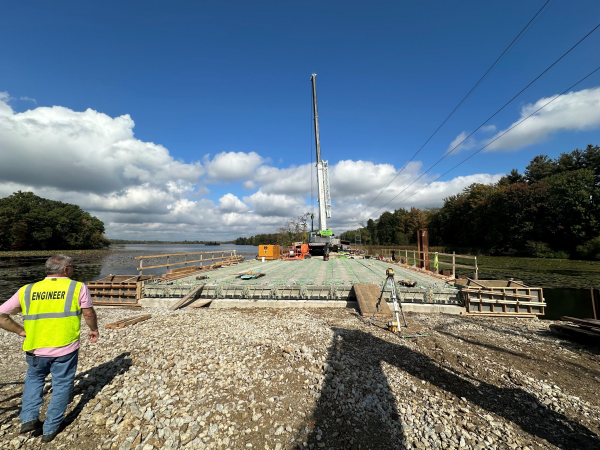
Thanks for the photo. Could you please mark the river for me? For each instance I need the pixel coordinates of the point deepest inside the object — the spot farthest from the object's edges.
(18, 271)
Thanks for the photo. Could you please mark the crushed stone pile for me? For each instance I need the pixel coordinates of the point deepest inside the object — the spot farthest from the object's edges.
(311, 379)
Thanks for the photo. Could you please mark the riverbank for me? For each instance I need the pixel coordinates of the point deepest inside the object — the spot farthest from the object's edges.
(276, 379)
(48, 253)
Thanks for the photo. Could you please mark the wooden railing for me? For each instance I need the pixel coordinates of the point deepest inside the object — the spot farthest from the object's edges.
(225, 254)
(418, 258)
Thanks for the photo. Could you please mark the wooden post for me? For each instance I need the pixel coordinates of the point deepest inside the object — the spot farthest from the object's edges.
(201, 260)
(453, 262)
(185, 265)
(167, 264)
(406, 257)
(414, 259)
(141, 265)
(475, 276)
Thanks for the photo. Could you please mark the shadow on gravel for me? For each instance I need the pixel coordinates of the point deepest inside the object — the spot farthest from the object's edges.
(339, 424)
(486, 345)
(92, 381)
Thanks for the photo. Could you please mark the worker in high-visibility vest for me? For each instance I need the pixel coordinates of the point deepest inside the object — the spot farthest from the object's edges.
(52, 310)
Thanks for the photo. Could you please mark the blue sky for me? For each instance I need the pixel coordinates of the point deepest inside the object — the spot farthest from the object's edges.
(202, 79)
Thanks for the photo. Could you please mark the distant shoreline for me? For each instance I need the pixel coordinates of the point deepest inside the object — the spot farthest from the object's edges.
(17, 253)
(125, 242)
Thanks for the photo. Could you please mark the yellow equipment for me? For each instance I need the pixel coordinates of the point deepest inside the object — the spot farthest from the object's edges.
(269, 252)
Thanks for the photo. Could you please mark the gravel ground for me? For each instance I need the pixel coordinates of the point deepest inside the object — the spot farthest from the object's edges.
(291, 378)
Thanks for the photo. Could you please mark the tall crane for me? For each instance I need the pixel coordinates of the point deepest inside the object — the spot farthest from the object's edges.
(322, 167)
(322, 236)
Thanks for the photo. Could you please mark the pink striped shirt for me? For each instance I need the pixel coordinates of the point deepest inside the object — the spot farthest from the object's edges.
(13, 306)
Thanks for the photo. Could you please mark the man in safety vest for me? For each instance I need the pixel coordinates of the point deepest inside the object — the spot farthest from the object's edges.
(52, 310)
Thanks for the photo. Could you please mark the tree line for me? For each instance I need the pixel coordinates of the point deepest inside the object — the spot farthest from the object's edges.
(294, 230)
(29, 222)
(550, 210)
(155, 242)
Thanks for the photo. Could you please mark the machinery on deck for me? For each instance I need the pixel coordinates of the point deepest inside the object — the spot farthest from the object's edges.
(318, 239)
(298, 250)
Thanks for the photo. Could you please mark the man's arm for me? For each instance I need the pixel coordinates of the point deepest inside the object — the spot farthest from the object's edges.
(89, 314)
(8, 324)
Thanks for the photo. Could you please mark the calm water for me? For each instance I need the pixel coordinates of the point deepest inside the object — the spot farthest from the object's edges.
(15, 272)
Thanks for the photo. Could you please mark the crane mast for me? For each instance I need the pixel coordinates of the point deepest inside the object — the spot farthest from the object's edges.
(322, 167)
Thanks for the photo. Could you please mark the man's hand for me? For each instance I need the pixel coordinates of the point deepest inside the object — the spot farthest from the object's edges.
(93, 335)
(8, 324)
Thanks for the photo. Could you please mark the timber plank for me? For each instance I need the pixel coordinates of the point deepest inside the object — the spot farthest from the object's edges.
(577, 334)
(367, 296)
(589, 322)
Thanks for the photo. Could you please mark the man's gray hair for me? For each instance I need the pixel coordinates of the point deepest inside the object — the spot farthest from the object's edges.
(57, 263)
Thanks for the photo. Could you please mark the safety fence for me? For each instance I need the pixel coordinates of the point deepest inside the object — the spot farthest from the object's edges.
(416, 258)
(225, 254)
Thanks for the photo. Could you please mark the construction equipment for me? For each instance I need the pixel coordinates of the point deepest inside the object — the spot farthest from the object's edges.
(298, 250)
(394, 327)
(269, 252)
(318, 239)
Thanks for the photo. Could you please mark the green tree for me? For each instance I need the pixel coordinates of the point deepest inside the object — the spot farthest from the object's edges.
(413, 220)
(29, 222)
(539, 168)
(372, 232)
(386, 228)
(574, 205)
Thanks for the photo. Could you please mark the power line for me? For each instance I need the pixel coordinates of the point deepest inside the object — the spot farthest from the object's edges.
(488, 119)
(498, 137)
(457, 106)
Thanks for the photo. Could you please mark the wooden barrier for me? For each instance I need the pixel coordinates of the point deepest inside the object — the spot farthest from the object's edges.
(419, 259)
(117, 290)
(225, 254)
(501, 298)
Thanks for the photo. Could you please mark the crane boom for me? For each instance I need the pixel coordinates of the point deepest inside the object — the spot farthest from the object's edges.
(322, 167)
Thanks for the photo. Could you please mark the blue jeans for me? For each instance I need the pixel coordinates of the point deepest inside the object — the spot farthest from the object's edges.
(63, 370)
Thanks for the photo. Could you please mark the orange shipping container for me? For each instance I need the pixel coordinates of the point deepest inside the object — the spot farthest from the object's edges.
(268, 251)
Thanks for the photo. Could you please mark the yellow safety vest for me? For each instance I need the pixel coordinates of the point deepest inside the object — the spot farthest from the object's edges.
(51, 313)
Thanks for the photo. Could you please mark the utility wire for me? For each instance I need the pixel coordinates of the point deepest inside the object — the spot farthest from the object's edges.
(488, 119)
(457, 106)
(498, 137)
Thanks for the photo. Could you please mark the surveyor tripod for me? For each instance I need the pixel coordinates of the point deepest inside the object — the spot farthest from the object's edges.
(392, 326)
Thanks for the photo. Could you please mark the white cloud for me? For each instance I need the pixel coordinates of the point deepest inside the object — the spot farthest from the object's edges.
(85, 152)
(488, 128)
(232, 166)
(460, 145)
(141, 191)
(27, 99)
(229, 203)
(5, 109)
(249, 185)
(290, 181)
(277, 205)
(575, 111)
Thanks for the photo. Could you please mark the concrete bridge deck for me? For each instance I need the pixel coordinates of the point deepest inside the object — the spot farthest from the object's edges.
(310, 279)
